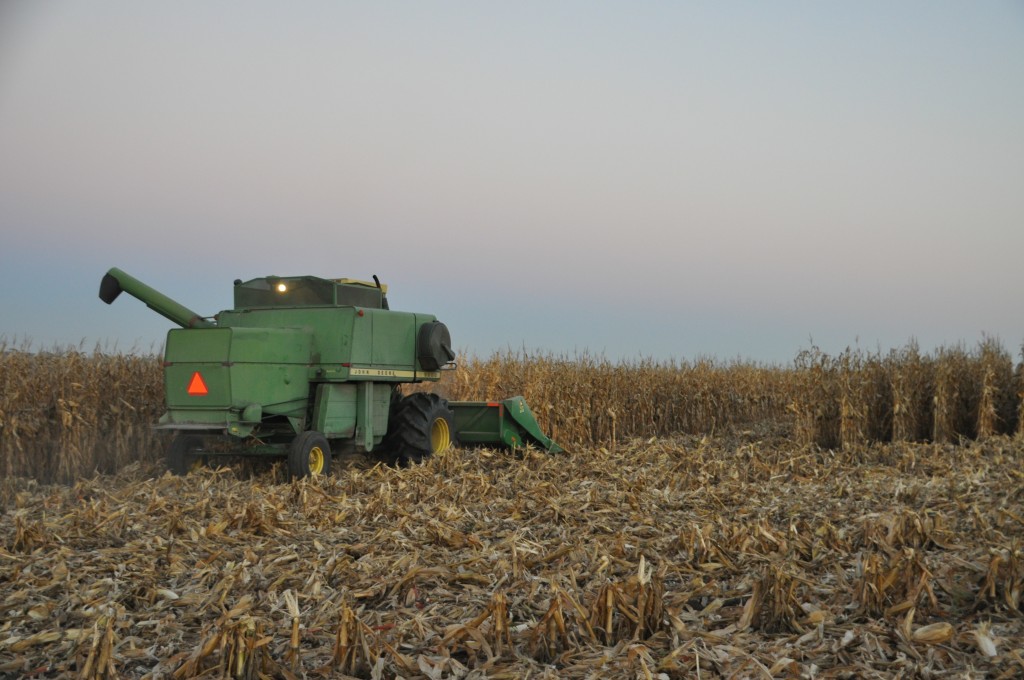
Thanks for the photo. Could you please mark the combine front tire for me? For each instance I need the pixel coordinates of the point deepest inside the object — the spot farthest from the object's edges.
(185, 454)
(419, 425)
(309, 456)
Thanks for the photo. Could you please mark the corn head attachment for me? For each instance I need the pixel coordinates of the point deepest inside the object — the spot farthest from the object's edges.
(508, 423)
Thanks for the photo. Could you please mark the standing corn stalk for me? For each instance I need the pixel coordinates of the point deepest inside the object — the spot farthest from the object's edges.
(815, 401)
(1020, 395)
(996, 403)
(912, 385)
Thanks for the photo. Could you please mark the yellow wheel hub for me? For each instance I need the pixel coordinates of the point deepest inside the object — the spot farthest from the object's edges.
(440, 436)
(316, 460)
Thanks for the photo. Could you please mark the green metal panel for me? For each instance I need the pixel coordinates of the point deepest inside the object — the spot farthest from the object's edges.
(362, 338)
(517, 409)
(335, 411)
(212, 375)
(198, 359)
(269, 366)
(372, 402)
(478, 422)
(394, 339)
(509, 423)
(205, 345)
(330, 329)
(270, 345)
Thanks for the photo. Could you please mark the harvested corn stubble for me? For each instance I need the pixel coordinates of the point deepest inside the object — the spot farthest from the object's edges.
(736, 555)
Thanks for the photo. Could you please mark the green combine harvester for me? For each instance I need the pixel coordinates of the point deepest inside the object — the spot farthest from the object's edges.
(303, 366)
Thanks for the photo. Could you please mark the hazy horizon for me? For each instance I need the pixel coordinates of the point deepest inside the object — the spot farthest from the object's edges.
(666, 180)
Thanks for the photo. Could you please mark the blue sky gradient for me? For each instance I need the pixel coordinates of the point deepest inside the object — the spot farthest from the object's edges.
(634, 179)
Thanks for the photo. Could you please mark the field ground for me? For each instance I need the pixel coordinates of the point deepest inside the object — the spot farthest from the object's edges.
(738, 555)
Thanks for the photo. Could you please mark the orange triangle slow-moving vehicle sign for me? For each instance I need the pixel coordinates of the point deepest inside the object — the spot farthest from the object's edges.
(197, 387)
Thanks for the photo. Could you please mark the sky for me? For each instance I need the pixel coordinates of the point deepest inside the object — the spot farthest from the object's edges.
(667, 180)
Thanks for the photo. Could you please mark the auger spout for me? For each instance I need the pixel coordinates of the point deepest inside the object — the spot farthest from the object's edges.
(115, 281)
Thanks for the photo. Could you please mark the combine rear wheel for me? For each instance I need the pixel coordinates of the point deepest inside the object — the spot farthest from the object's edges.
(309, 456)
(419, 426)
(185, 454)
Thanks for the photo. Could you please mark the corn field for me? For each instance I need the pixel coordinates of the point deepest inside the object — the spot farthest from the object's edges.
(859, 397)
(850, 516)
(68, 414)
(591, 401)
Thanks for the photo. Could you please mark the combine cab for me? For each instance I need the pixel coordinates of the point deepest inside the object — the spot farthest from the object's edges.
(303, 366)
